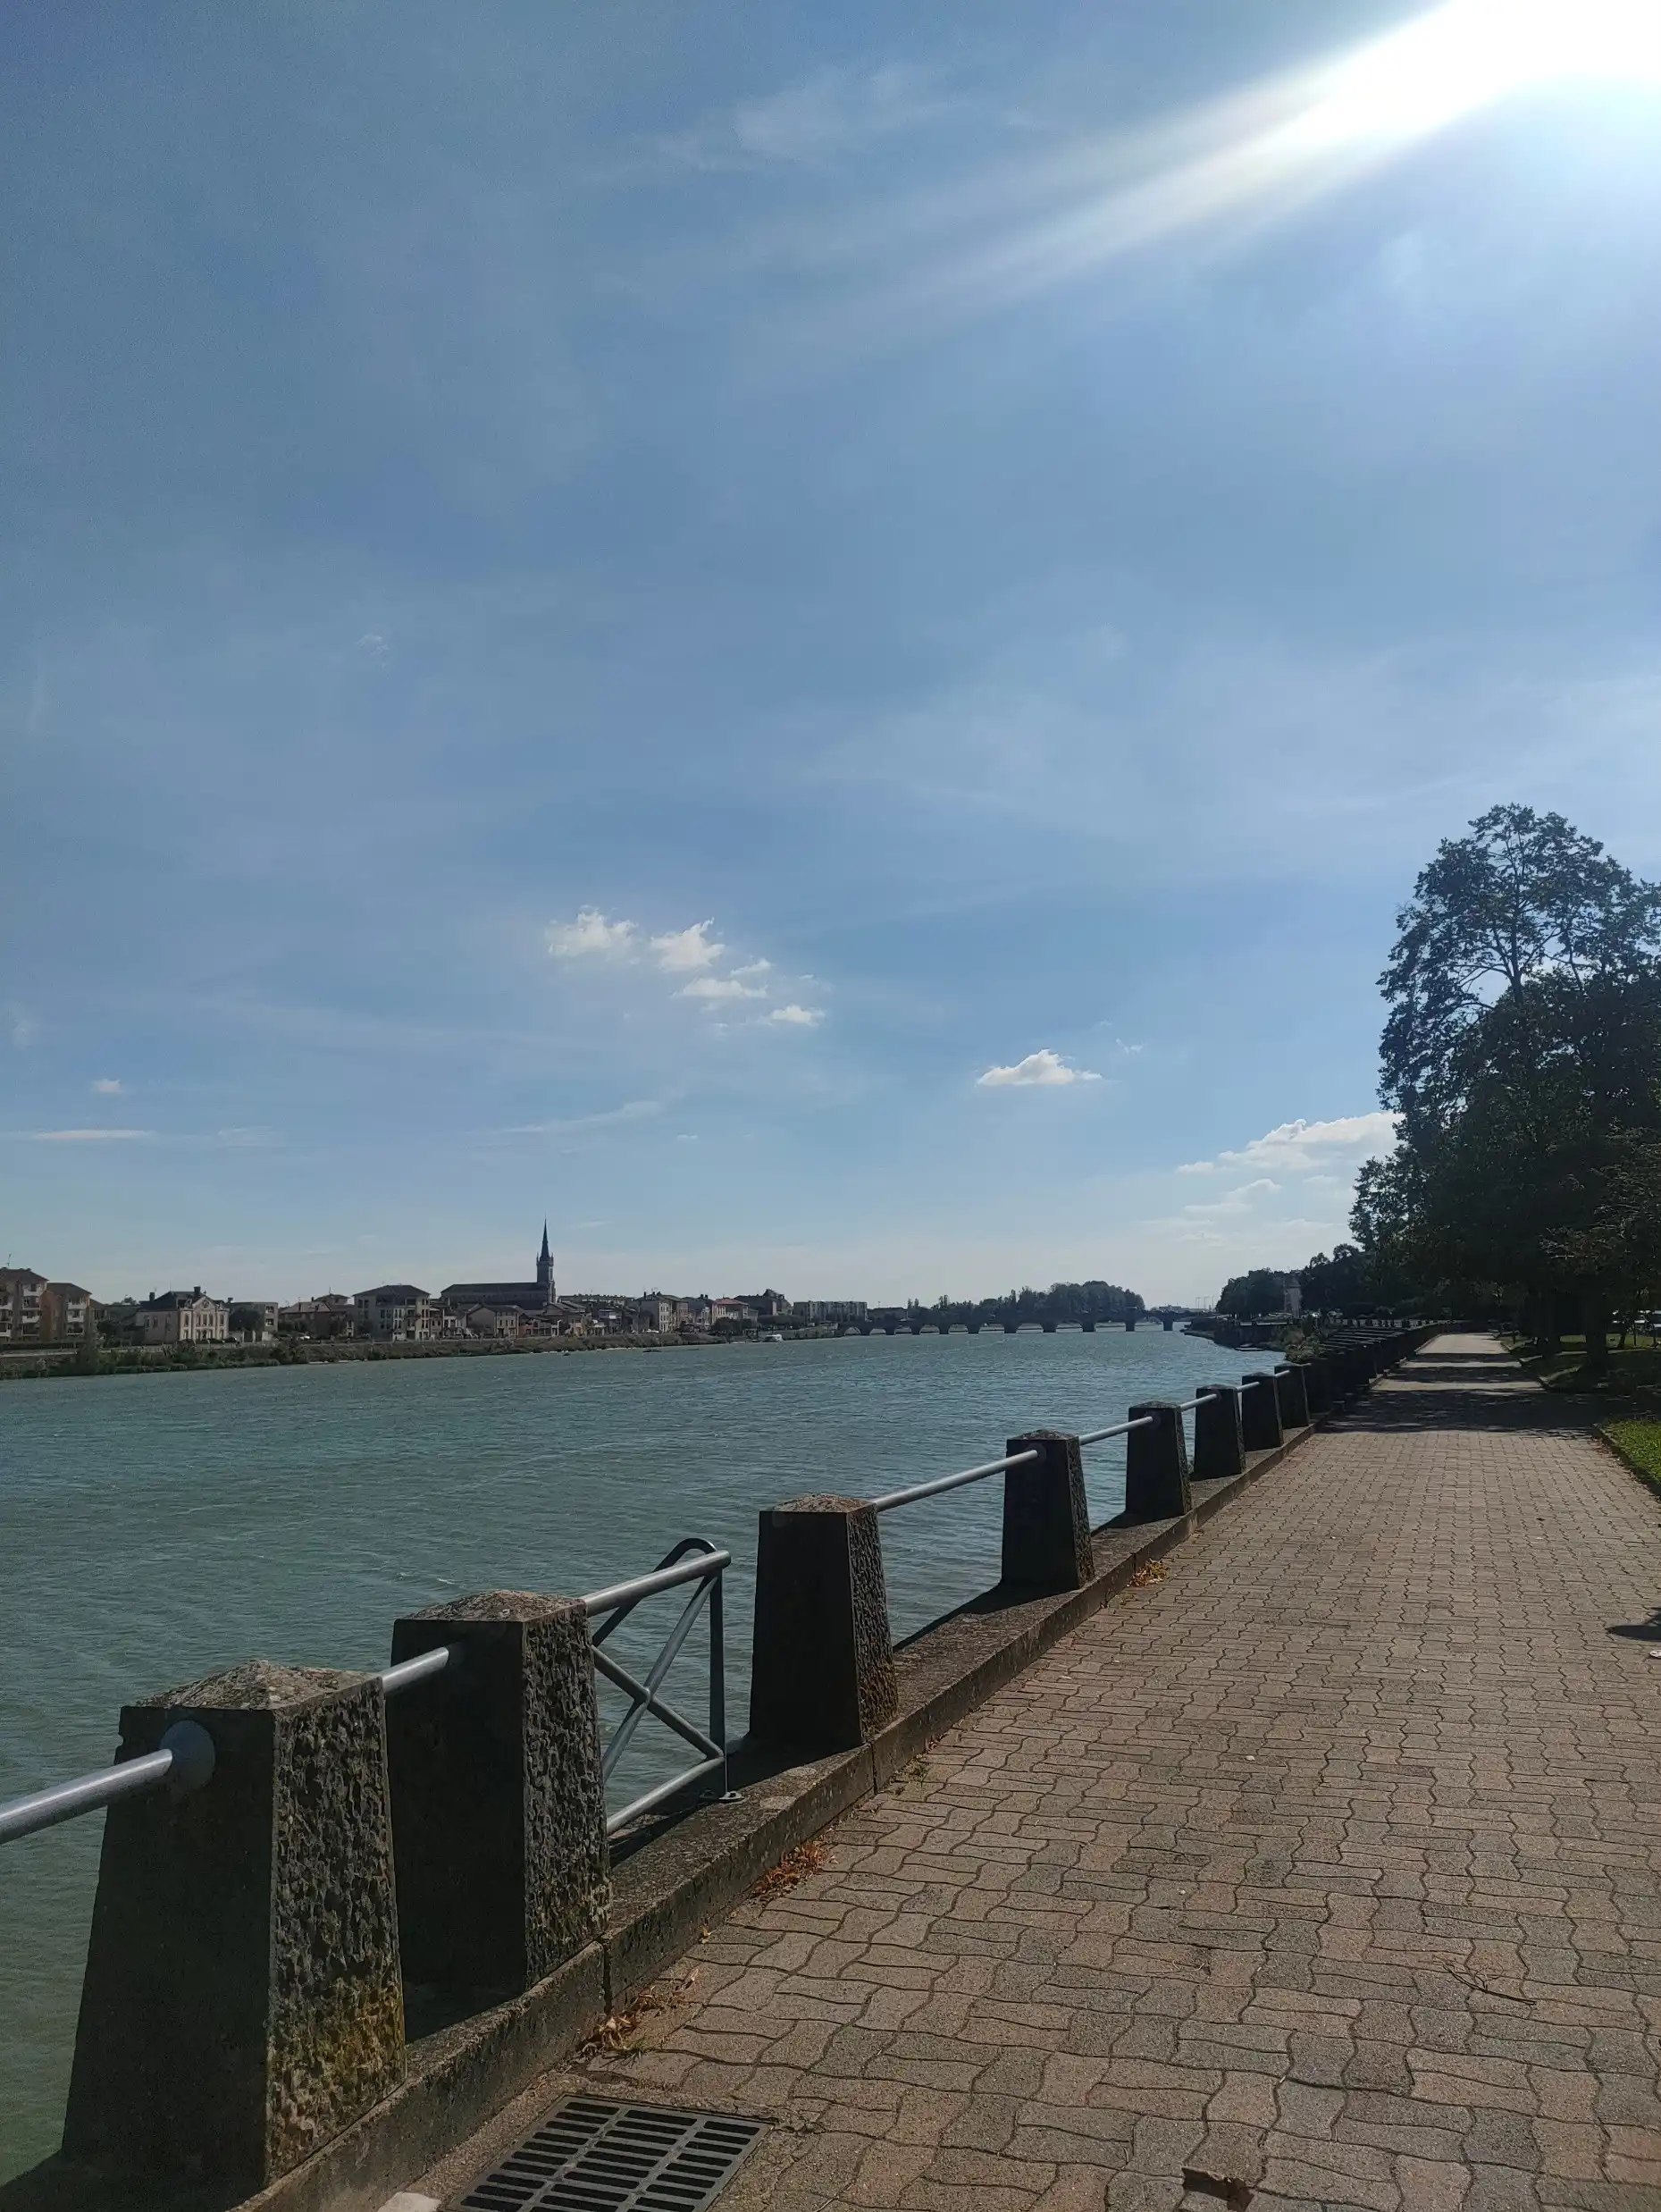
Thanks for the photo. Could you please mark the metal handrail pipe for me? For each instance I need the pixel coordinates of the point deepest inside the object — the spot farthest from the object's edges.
(618, 1822)
(638, 1690)
(698, 1569)
(653, 1683)
(409, 1671)
(185, 1760)
(1119, 1428)
(950, 1482)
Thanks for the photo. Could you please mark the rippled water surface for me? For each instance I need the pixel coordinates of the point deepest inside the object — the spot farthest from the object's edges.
(154, 1527)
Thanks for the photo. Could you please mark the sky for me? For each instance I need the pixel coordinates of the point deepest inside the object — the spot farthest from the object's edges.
(817, 642)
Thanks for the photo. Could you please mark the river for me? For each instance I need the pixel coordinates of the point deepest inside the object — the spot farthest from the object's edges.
(153, 1528)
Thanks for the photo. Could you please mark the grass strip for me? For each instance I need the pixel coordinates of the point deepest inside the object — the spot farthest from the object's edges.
(1636, 1443)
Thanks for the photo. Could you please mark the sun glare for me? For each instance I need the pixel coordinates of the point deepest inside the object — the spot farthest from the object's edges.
(1473, 51)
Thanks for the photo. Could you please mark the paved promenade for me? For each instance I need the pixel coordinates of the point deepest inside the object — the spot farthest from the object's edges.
(1329, 1864)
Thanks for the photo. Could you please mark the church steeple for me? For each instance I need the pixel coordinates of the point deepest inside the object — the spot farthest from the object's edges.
(545, 1270)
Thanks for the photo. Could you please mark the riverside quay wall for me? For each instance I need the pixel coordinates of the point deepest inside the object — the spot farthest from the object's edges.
(343, 1917)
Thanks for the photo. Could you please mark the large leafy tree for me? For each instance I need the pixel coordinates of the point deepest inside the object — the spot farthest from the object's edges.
(1522, 1054)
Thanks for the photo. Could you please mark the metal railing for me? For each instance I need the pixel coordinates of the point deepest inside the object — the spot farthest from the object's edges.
(694, 1559)
(185, 1760)
(941, 1482)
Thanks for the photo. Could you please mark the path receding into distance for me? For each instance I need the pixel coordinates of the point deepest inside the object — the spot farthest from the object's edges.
(1330, 1863)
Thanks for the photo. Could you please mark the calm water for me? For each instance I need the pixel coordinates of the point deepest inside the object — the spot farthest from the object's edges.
(154, 1527)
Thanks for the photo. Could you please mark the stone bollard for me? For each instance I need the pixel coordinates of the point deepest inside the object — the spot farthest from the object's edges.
(1292, 1397)
(1317, 1386)
(1046, 1522)
(242, 2002)
(1156, 1465)
(822, 1671)
(1260, 1413)
(1219, 1445)
(499, 1808)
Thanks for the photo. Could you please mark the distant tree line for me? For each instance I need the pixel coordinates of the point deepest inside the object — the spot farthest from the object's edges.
(1339, 1282)
(1061, 1302)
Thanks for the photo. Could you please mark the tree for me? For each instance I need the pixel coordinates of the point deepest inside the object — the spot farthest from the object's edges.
(1524, 898)
(1261, 1291)
(87, 1351)
(1337, 1285)
(1523, 1053)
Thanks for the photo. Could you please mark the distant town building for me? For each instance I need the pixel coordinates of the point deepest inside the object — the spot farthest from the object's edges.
(831, 1310)
(537, 1296)
(396, 1313)
(320, 1319)
(658, 1315)
(22, 1291)
(64, 1309)
(183, 1318)
(765, 1305)
(252, 1320)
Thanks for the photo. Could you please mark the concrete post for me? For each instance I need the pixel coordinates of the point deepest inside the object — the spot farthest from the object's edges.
(1293, 1398)
(1156, 1465)
(822, 1674)
(1046, 1522)
(1260, 1413)
(241, 2002)
(1317, 1387)
(1219, 1445)
(498, 1810)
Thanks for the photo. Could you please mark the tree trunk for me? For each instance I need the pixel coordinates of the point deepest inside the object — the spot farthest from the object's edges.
(1596, 1338)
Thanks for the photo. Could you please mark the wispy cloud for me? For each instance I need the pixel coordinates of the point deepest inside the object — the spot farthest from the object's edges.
(612, 1117)
(25, 1028)
(798, 1017)
(1307, 1148)
(590, 935)
(83, 1136)
(1043, 1070)
(822, 118)
(108, 1086)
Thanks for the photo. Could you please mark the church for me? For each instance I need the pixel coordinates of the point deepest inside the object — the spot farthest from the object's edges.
(528, 1298)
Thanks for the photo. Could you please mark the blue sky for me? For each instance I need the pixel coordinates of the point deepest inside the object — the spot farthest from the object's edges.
(607, 612)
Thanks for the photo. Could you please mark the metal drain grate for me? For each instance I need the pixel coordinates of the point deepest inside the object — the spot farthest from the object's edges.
(592, 2155)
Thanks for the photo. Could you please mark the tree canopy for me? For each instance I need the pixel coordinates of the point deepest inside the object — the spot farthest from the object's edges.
(1522, 1051)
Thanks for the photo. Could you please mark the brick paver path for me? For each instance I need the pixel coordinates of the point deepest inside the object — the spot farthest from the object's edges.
(1330, 1863)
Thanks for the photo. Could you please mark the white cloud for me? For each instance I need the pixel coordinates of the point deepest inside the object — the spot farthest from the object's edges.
(680, 950)
(720, 987)
(1303, 1147)
(755, 967)
(1043, 1069)
(107, 1086)
(589, 933)
(25, 1029)
(798, 1017)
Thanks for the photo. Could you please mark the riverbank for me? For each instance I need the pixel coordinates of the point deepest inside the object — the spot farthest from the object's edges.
(61, 1363)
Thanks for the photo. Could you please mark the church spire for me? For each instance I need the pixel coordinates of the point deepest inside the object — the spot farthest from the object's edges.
(545, 1270)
